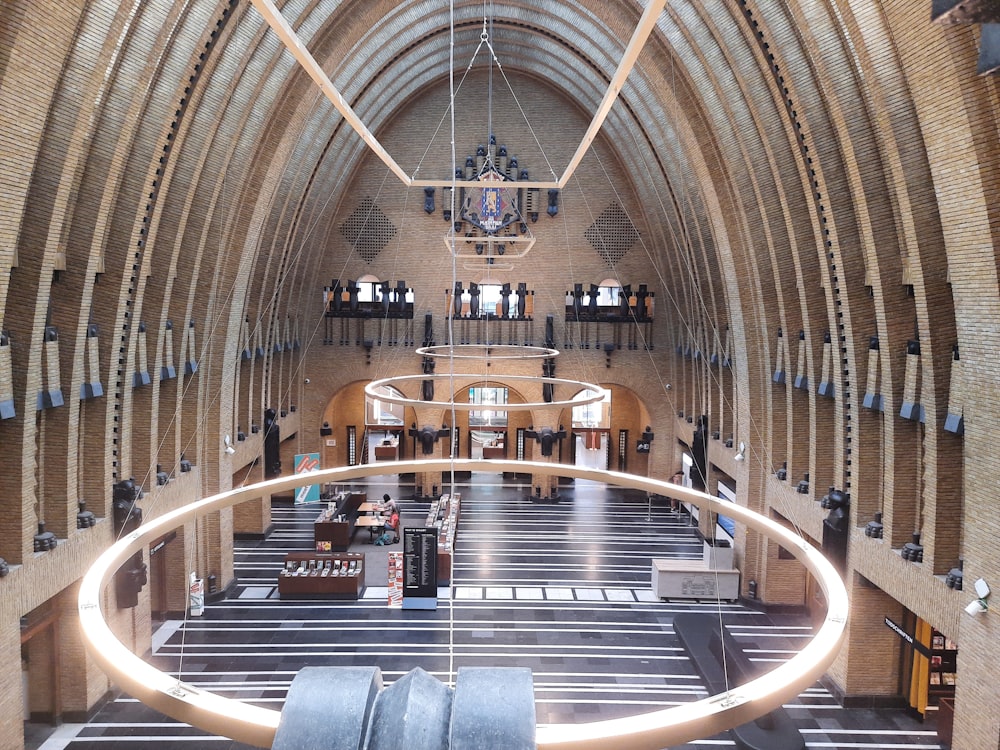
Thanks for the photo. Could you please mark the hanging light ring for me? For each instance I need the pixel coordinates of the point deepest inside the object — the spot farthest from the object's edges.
(597, 393)
(510, 352)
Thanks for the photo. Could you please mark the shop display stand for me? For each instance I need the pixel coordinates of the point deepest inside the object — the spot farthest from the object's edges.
(322, 575)
(334, 527)
(443, 515)
(943, 668)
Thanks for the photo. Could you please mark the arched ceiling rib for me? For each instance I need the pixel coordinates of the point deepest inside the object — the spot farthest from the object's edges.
(375, 77)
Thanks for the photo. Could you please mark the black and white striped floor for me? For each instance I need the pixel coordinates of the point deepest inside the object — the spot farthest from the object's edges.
(562, 588)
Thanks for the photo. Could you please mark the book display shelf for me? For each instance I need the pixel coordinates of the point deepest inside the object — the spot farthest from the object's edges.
(943, 667)
(443, 516)
(322, 575)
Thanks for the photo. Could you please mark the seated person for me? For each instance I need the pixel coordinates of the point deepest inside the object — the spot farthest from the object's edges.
(389, 506)
(390, 533)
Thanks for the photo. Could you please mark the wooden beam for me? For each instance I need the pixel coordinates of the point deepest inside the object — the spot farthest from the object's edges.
(294, 45)
(643, 29)
(647, 22)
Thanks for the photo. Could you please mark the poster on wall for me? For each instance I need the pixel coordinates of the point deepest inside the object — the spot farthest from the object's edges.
(305, 463)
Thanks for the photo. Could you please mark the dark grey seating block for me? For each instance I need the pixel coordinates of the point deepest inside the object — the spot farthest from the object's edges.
(411, 714)
(328, 708)
(494, 709)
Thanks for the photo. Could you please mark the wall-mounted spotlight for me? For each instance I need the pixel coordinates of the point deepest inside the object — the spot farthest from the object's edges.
(875, 529)
(326, 429)
(741, 454)
(913, 550)
(44, 540)
(955, 577)
(85, 519)
(228, 442)
(977, 606)
(803, 486)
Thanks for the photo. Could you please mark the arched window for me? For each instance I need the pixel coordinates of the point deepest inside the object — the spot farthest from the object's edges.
(384, 412)
(607, 293)
(597, 414)
(490, 398)
(369, 289)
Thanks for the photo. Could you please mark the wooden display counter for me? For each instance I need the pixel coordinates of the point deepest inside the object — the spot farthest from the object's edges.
(322, 575)
(334, 527)
(443, 515)
(494, 452)
(386, 452)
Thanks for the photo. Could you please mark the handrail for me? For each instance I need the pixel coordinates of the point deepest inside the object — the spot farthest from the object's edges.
(650, 731)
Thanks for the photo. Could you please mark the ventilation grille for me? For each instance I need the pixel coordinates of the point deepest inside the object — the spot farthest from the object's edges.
(368, 230)
(612, 235)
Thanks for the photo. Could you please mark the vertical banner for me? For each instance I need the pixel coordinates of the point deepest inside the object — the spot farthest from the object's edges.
(395, 579)
(305, 463)
(419, 568)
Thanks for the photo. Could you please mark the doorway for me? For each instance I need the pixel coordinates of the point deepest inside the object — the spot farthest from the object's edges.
(591, 448)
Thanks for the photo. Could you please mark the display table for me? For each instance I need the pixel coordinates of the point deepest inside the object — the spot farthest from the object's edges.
(443, 516)
(372, 523)
(494, 452)
(692, 579)
(322, 575)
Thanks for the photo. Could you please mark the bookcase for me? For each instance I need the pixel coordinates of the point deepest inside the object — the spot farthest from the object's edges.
(443, 515)
(322, 575)
(941, 675)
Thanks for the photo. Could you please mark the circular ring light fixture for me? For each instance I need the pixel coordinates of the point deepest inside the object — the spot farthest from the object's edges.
(651, 731)
(371, 390)
(492, 352)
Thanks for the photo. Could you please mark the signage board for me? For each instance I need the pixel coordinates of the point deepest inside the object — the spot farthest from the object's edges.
(420, 568)
(305, 463)
(917, 645)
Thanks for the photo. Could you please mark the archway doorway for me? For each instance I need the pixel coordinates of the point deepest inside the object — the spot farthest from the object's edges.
(592, 431)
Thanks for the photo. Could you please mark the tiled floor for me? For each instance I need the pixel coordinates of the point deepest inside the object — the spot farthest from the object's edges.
(561, 588)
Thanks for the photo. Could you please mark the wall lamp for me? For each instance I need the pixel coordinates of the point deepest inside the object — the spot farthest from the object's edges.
(976, 606)
(741, 454)
(228, 441)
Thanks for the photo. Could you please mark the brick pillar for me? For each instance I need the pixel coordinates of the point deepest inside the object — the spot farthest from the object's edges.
(82, 684)
(545, 486)
(11, 699)
(215, 547)
(253, 517)
(867, 667)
